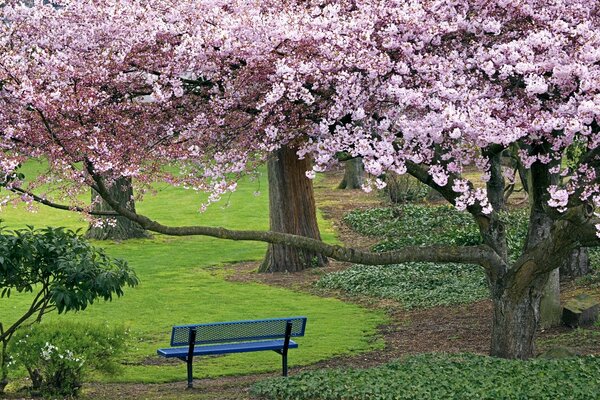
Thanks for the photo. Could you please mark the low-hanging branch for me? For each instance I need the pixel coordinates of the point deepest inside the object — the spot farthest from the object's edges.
(481, 254)
(58, 206)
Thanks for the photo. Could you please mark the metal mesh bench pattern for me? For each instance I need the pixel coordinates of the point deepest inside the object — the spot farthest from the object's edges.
(237, 331)
(234, 337)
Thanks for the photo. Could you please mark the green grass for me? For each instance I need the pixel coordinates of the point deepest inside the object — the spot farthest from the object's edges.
(445, 377)
(182, 281)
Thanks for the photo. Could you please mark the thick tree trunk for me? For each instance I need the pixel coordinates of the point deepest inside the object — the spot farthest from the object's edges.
(291, 210)
(540, 225)
(354, 172)
(116, 228)
(578, 264)
(515, 322)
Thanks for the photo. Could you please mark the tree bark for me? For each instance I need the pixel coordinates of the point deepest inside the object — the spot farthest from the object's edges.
(116, 228)
(292, 210)
(550, 309)
(540, 225)
(578, 264)
(515, 321)
(354, 171)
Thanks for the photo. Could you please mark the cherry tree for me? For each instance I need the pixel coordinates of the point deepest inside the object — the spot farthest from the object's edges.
(108, 88)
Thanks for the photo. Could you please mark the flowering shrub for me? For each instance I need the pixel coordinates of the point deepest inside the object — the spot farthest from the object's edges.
(57, 356)
(59, 371)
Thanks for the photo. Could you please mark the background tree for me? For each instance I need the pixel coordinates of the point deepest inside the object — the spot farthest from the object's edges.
(115, 227)
(426, 89)
(354, 172)
(292, 210)
(61, 270)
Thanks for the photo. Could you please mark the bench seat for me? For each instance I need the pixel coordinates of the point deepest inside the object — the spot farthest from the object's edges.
(182, 352)
(189, 341)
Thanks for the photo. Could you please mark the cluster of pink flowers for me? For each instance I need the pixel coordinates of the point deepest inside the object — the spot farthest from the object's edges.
(214, 86)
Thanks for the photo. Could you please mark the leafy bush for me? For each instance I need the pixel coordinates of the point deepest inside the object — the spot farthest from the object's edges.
(58, 355)
(412, 284)
(61, 270)
(417, 225)
(594, 254)
(447, 377)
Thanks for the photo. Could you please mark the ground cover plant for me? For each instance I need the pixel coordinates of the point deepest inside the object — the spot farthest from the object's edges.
(420, 224)
(412, 284)
(181, 281)
(445, 377)
(420, 284)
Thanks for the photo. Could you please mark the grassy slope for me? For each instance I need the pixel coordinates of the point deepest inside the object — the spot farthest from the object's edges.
(181, 282)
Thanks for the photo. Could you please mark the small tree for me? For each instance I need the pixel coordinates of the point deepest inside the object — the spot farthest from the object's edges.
(63, 271)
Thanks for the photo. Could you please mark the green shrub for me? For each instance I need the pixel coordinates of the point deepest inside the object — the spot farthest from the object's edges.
(447, 377)
(58, 355)
(412, 284)
(594, 254)
(418, 225)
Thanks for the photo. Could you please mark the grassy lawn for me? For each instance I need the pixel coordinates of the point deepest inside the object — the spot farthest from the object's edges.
(182, 281)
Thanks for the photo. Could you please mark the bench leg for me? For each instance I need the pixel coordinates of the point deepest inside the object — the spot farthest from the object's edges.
(284, 364)
(190, 357)
(190, 376)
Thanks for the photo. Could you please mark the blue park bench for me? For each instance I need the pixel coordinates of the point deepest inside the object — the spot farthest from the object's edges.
(274, 334)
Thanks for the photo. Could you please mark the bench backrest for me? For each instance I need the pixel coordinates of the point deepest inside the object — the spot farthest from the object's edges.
(237, 331)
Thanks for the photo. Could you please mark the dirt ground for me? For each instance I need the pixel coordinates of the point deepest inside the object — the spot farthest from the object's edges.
(464, 328)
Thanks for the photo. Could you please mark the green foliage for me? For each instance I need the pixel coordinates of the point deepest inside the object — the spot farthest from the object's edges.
(404, 188)
(445, 377)
(594, 254)
(572, 340)
(413, 224)
(412, 284)
(58, 356)
(62, 271)
(72, 272)
(417, 225)
(422, 284)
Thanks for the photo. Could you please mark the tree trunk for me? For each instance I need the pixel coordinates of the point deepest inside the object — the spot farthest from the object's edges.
(550, 309)
(578, 264)
(3, 362)
(116, 228)
(515, 321)
(354, 172)
(540, 225)
(291, 210)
